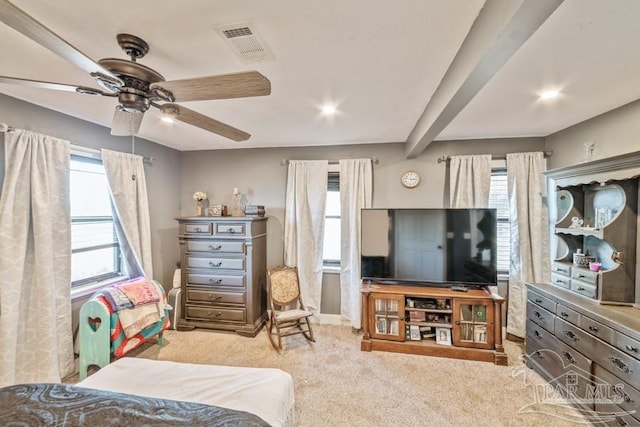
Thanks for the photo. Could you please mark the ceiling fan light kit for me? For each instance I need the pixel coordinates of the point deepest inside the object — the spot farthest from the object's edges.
(137, 86)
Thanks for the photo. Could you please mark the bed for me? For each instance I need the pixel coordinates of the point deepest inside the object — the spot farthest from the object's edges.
(133, 391)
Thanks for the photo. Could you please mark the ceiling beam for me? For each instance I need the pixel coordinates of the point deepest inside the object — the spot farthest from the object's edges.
(501, 28)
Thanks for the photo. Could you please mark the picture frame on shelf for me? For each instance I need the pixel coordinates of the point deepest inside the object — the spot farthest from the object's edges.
(218, 210)
(415, 332)
(443, 336)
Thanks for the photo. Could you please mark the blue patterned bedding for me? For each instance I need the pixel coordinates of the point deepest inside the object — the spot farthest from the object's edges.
(65, 405)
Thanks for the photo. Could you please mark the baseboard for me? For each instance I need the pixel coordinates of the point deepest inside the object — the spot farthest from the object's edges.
(331, 319)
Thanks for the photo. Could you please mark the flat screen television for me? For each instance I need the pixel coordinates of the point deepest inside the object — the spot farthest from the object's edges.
(434, 247)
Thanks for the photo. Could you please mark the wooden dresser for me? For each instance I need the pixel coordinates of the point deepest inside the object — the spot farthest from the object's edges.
(223, 266)
(588, 350)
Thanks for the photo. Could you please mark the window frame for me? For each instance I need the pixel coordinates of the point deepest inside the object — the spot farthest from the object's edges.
(502, 171)
(82, 155)
(333, 179)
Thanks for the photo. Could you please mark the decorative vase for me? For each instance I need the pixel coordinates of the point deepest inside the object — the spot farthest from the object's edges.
(200, 208)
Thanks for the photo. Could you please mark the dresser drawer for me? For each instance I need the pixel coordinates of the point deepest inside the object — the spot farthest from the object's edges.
(215, 297)
(558, 360)
(538, 337)
(213, 246)
(215, 313)
(567, 314)
(584, 288)
(584, 275)
(561, 268)
(215, 280)
(217, 263)
(596, 328)
(575, 337)
(627, 344)
(230, 229)
(544, 302)
(540, 316)
(560, 280)
(615, 361)
(622, 395)
(197, 228)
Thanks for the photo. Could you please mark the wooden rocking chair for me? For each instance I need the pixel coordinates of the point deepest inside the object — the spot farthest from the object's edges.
(288, 315)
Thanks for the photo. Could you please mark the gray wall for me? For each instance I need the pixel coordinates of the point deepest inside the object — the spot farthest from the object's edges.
(163, 177)
(261, 176)
(613, 133)
(258, 173)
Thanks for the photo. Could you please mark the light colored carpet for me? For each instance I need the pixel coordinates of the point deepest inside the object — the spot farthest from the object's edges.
(336, 384)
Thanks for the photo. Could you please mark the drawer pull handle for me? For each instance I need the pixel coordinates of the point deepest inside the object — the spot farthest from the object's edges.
(619, 364)
(197, 229)
(564, 314)
(559, 269)
(560, 281)
(570, 335)
(537, 334)
(216, 314)
(627, 398)
(214, 297)
(215, 282)
(580, 276)
(215, 264)
(538, 315)
(629, 347)
(231, 230)
(538, 354)
(580, 288)
(569, 357)
(621, 422)
(593, 328)
(215, 248)
(538, 301)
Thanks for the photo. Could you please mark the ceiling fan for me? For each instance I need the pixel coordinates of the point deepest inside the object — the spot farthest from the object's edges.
(136, 86)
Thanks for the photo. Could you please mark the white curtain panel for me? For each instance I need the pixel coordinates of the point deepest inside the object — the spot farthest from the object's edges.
(356, 182)
(529, 233)
(304, 226)
(469, 181)
(128, 185)
(36, 343)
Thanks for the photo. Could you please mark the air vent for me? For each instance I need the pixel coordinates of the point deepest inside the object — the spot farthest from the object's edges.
(244, 41)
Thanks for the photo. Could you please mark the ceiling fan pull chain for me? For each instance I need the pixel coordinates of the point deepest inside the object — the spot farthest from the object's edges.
(133, 151)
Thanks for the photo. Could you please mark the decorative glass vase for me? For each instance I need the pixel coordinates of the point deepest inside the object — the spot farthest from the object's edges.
(200, 208)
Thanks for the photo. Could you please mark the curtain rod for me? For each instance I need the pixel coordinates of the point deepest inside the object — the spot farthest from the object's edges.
(374, 160)
(4, 128)
(547, 154)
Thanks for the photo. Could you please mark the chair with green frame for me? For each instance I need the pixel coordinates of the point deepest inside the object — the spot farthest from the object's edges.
(288, 315)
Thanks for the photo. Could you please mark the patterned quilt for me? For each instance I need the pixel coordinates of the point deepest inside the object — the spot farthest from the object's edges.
(65, 405)
(120, 344)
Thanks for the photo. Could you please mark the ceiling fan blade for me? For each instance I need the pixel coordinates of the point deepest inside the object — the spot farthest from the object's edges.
(126, 122)
(20, 21)
(194, 118)
(223, 86)
(54, 86)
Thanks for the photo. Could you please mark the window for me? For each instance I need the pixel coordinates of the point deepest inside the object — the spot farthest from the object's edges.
(95, 252)
(499, 199)
(331, 246)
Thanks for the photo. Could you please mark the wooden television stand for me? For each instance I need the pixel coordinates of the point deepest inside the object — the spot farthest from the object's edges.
(433, 321)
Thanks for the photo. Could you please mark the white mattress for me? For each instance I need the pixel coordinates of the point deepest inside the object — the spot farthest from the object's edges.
(265, 392)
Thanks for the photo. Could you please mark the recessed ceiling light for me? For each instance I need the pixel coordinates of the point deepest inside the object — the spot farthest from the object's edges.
(329, 110)
(549, 94)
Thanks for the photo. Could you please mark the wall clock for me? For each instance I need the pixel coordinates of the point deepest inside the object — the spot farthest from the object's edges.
(410, 179)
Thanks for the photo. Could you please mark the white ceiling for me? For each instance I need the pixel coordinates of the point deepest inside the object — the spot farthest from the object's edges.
(379, 62)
